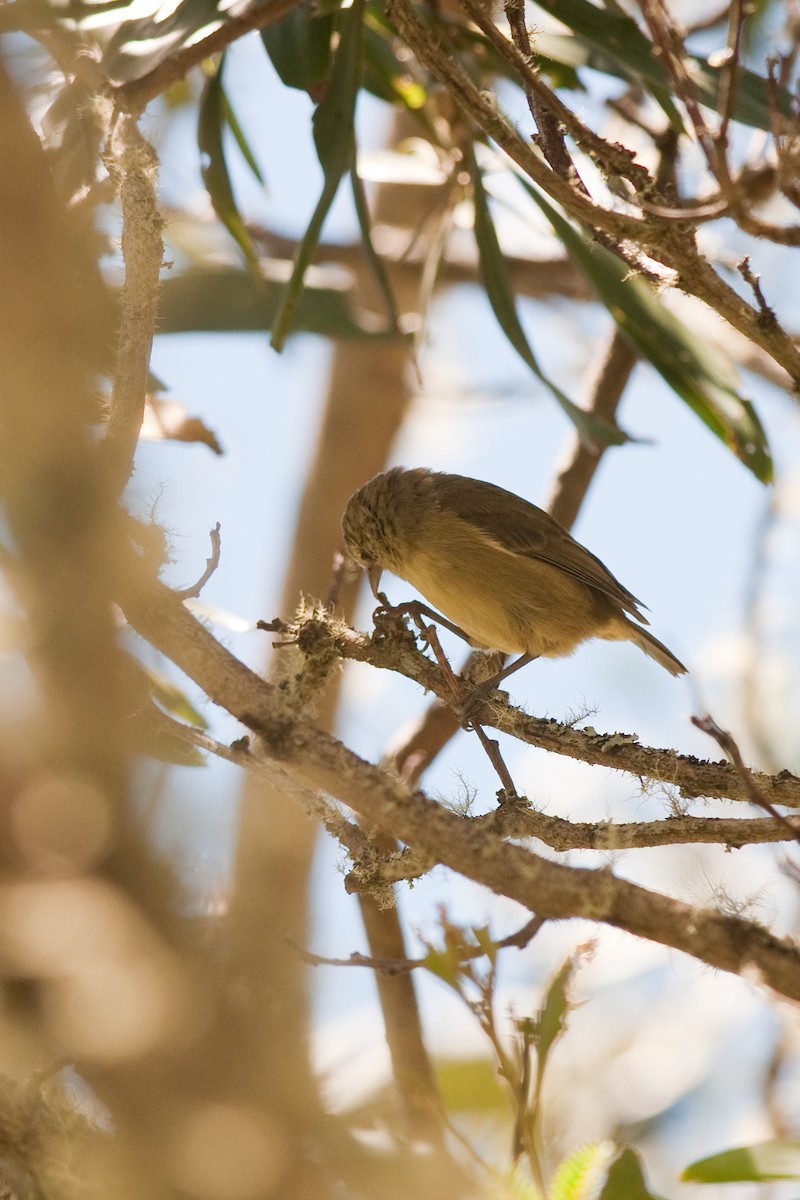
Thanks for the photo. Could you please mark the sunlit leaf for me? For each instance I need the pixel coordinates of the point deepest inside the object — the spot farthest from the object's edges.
(334, 139)
(153, 735)
(33, 15)
(174, 699)
(401, 166)
(699, 373)
(385, 75)
(501, 298)
(775, 1159)
(577, 1177)
(211, 123)
(220, 616)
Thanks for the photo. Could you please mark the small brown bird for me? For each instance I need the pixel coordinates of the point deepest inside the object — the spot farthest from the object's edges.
(502, 570)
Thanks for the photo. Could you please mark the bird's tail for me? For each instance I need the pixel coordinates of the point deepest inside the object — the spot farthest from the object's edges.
(653, 648)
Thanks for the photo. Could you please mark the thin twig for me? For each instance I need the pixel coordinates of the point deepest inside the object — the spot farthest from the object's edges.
(402, 966)
(551, 138)
(755, 795)
(492, 749)
(609, 837)
(691, 776)
(614, 158)
(212, 563)
(729, 82)
(754, 283)
(667, 243)
(669, 48)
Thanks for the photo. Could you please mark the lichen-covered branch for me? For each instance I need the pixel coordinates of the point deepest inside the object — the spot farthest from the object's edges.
(318, 762)
(691, 777)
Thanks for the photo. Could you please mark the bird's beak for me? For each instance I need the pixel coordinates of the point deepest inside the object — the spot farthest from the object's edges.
(374, 577)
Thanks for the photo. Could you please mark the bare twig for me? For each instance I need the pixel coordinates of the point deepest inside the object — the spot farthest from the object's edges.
(754, 283)
(492, 749)
(377, 869)
(402, 966)
(755, 793)
(729, 82)
(212, 563)
(669, 48)
(551, 138)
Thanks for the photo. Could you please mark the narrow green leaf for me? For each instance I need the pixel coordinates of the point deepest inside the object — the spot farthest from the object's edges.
(701, 375)
(775, 1159)
(374, 260)
(501, 299)
(241, 140)
(547, 1026)
(334, 139)
(299, 46)
(551, 1021)
(332, 122)
(211, 123)
(229, 299)
(625, 1180)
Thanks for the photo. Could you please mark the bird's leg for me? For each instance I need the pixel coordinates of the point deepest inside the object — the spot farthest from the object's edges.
(417, 610)
(481, 690)
(492, 749)
(450, 677)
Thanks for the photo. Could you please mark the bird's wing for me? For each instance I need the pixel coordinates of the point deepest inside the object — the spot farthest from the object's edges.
(521, 528)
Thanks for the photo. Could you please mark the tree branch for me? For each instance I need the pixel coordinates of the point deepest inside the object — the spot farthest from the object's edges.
(318, 762)
(134, 164)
